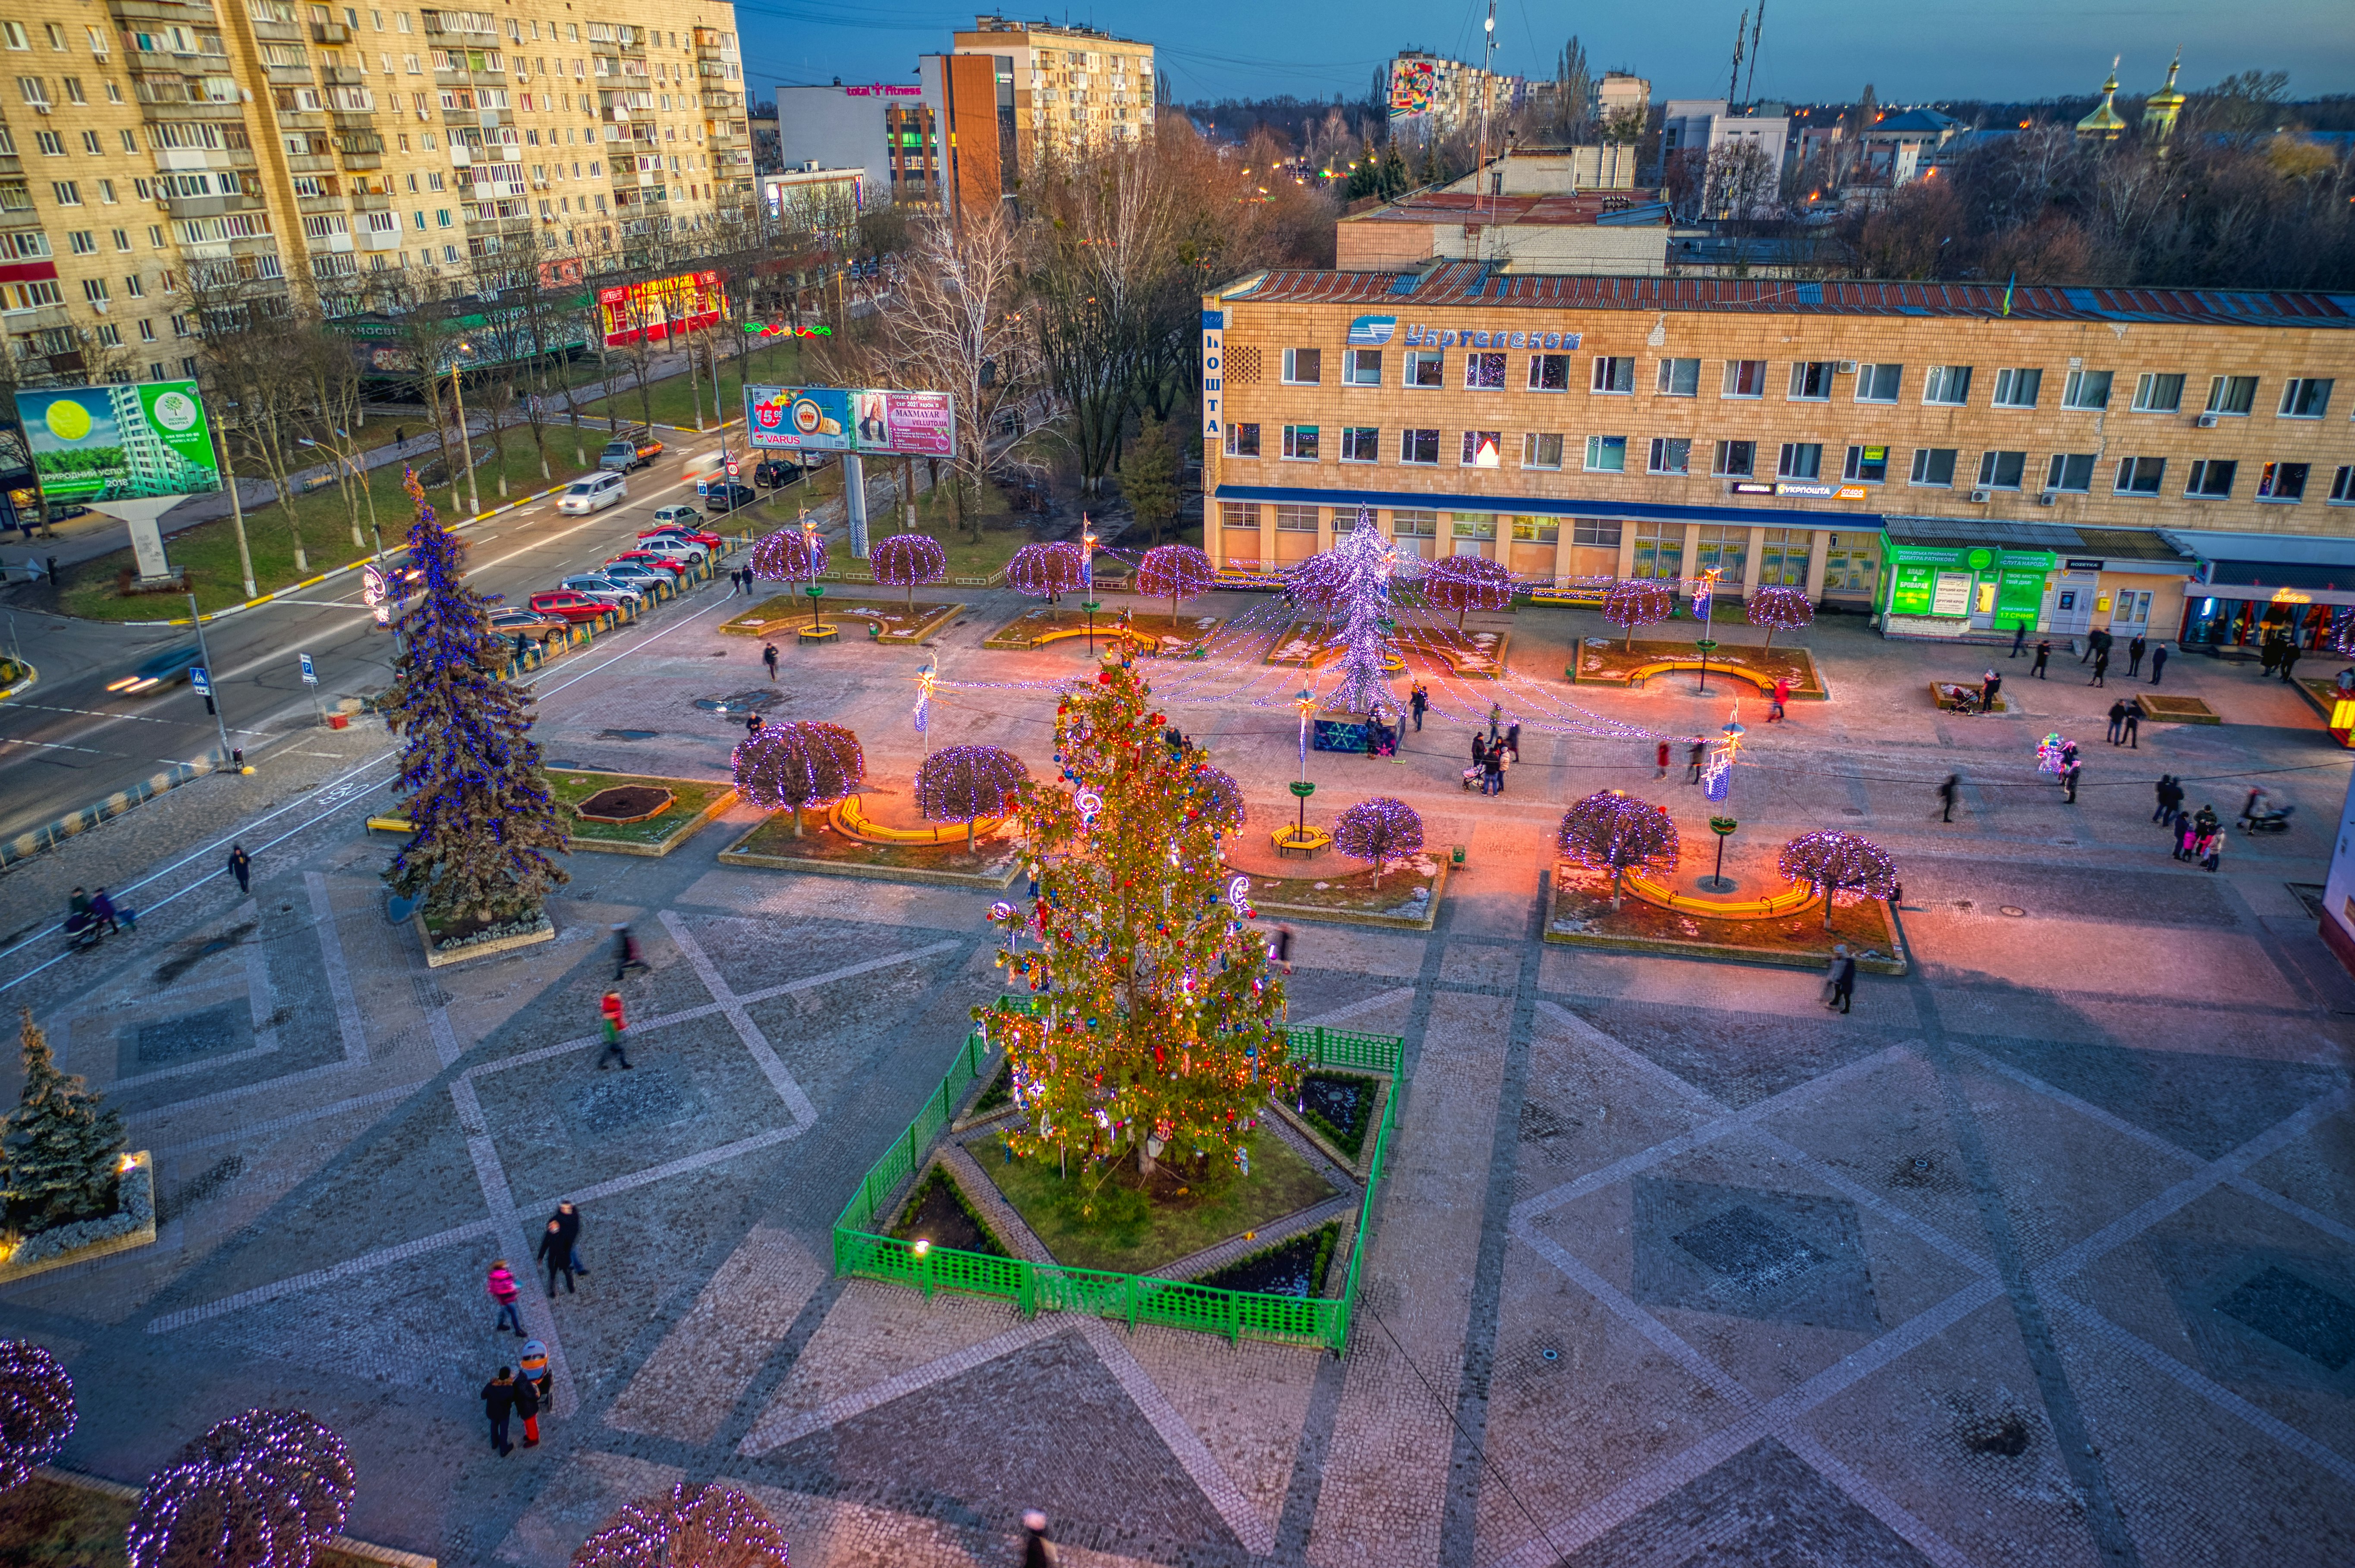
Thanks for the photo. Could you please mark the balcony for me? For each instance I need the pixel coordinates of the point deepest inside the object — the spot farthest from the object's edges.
(10, 163)
(314, 204)
(277, 32)
(310, 164)
(330, 33)
(362, 160)
(40, 318)
(371, 201)
(731, 102)
(460, 117)
(341, 76)
(191, 13)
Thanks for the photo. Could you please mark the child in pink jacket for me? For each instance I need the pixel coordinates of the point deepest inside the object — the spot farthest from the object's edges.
(504, 1290)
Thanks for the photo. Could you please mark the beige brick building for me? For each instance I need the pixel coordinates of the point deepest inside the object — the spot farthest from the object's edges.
(1903, 448)
(310, 144)
(1072, 87)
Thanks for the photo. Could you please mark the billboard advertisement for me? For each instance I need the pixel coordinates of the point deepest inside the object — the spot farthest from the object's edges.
(119, 442)
(685, 302)
(1411, 83)
(851, 419)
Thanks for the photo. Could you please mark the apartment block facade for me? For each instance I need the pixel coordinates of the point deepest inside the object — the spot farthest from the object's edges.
(1072, 86)
(299, 146)
(1836, 436)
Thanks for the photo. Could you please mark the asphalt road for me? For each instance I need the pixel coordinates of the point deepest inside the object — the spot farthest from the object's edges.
(68, 742)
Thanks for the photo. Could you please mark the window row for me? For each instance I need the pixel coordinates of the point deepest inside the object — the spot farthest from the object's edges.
(1811, 381)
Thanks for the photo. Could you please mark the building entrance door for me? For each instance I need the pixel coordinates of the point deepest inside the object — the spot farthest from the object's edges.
(2072, 603)
(2130, 612)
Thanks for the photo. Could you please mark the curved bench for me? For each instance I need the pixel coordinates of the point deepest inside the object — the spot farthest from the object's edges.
(1643, 672)
(850, 821)
(1790, 901)
(1287, 839)
(1106, 629)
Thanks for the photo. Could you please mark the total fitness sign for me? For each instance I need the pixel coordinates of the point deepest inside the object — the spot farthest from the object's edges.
(1374, 331)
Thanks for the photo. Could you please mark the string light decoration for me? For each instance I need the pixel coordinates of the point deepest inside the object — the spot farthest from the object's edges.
(1780, 609)
(266, 1490)
(1047, 570)
(36, 1409)
(691, 1527)
(905, 559)
(1225, 806)
(1380, 830)
(1162, 1025)
(1467, 583)
(483, 823)
(1838, 864)
(1634, 602)
(1174, 571)
(959, 784)
(795, 766)
(1354, 577)
(789, 555)
(1717, 774)
(1612, 831)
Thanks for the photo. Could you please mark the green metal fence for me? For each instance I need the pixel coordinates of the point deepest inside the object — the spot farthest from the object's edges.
(859, 1251)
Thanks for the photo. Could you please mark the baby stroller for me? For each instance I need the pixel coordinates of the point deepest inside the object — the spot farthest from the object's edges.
(82, 930)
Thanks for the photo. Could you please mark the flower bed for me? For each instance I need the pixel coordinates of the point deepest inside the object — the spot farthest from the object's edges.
(1602, 661)
(1407, 898)
(450, 942)
(1581, 916)
(771, 846)
(133, 1224)
(1057, 623)
(694, 802)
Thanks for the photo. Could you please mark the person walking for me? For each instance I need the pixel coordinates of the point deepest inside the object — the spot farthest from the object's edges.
(503, 1289)
(569, 1217)
(556, 1252)
(626, 953)
(2131, 724)
(1777, 698)
(2157, 662)
(1839, 980)
(1417, 703)
(2269, 654)
(2163, 813)
(102, 910)
(610, 1008)
(2136, 647)
(498, 1403)
(2043, 656)
(2018, 635)
(2118, 718)
(526, 1405)
(1660, 755)
(2101, 668)
(2070, 780)
(1695, 755)
(1279, 948)
(1989, 685)
(769, 657)
(399, 438)
(241, 866)
(1037, 1551)
(532, 1367)
(2288, 661)
(1513, 739)
(1946, 793)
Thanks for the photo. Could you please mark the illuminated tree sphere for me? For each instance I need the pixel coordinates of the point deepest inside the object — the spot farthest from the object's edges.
(905, 559)
(1044, 570)
(36, 1409)
(1174, 572)
(1615, 832)
(1464, 583)
(1780, 609)
(1382, 830)
(793, 766)
(1223, 802)
(1838, 864)
(265, 1490)
(961, 784)
(786, 556)
(1633, 601)
(693, 1527)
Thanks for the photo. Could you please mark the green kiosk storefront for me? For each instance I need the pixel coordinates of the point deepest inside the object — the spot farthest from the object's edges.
(1953, 591)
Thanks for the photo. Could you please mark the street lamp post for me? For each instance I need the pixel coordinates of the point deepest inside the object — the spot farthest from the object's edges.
(1704, 595)
(474, 495)
(212, 698)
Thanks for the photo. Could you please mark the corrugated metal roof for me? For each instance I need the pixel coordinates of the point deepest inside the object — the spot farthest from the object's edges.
(1456, 282)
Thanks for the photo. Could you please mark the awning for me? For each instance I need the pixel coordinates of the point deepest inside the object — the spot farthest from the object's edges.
(1347, 501)
(2290, 569)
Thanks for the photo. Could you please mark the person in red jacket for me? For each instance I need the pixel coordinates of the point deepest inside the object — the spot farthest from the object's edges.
(614, 1024)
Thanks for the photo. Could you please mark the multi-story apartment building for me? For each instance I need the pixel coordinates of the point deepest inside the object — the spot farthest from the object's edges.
(301, 147)
(1953, 457)
(1072, 87)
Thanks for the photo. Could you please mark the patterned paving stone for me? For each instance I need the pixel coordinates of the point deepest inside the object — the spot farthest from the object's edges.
(1764, 1506)
(1774, 1256)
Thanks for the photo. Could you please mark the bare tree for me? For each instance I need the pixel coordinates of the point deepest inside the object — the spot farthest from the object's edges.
(959, 327)
(253, 351)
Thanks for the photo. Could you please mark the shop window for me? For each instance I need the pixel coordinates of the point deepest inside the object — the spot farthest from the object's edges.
(1866, 465)
(1782, 557)
(2071, 471)
(1242, 440)
(1484, 372)
(2001, 470)
(2140, 475)
(2211, 480)
(2157, 393)
(1536, 530)
(1851, 564)
(1679, 378)
(1474, 526)
(1735, 459)
(1726, 549)
(1660, 551)
(2282, 481)
(1414, 525)
(1745, 378)
(1670, 455)
(1549, 372)
(1238, 515)
(1599, 531)
(1800, 460)
(1540, 451)
(1877, 383)
(1606, 455)
(1615, 373)
(1424, 368)
(1296, 519)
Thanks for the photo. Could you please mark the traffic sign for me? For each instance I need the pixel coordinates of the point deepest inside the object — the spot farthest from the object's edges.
(201, 680)
(734, 468)
(310, 675)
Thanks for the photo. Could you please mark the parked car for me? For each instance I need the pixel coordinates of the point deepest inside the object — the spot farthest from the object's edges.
(630, 449)
(720, 495)
(677, 516)
(776, 473)
(703, 537)
(598, 586)
(678, 548)
(637, 573)
(570, 606)
(674, 565)
(528, 623)
(593, 493)
(169, 667)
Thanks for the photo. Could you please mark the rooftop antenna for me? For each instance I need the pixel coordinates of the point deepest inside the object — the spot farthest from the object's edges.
(1733, 84)
(1757, 26)
(1488, 89)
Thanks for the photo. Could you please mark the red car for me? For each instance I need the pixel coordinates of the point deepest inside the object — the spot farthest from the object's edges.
(570, 605)
(708, 539)
(649, 558)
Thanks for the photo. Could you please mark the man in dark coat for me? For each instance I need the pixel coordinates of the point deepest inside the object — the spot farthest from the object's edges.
(567, 1221)
(556, 1252)
(498, 1403)
(2157, 662)
(2043, 656)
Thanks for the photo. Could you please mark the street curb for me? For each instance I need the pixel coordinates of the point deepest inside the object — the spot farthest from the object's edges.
(50, 835)
(32, 677)
(368, 1551)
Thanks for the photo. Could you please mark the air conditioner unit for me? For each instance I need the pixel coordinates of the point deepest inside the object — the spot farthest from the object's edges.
(40, 108)
(1982, 496)
(2207, 422)
(2045, 499)
(1848, 367)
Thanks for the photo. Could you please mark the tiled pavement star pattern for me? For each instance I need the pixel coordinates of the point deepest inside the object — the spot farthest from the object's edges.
(2022, 1262)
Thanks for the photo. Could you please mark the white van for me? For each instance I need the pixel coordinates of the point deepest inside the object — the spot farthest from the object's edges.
(593, 493)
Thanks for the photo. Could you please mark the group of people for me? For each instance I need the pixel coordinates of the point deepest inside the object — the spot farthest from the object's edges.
(89, 916)
(2199, 834)
(523, 1389)
(2098, 644)
(1493, 753)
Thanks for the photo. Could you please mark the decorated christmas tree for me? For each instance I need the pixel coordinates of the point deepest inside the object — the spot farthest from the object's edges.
(63, 1149)
(1354, 577)
(1158, 1022)
(485, 824)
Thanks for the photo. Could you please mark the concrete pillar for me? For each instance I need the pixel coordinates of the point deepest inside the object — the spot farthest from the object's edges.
(1752, 563)
(1627, 567)
(1328, 523)
(1561, 549)
(854, 502)
(1267, 514)
(1689, 566)
(1818, 551)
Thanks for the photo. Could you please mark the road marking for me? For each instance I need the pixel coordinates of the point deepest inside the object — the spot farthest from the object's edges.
(338, 973)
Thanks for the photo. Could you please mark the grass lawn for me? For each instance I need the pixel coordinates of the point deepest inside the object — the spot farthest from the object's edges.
(1344, 889)
(1103, 1220)
(690, 799)
(938, 1212)
(1583, 914)
(1028, 629)
(44, 1524)
(1613, 663)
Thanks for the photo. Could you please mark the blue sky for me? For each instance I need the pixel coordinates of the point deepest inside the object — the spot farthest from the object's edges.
(1812, 50)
